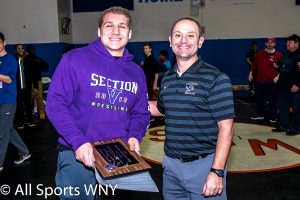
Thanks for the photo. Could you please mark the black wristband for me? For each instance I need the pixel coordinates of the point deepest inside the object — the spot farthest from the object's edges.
(219, 172)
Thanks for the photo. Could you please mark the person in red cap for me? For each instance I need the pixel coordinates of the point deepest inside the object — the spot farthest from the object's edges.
(265, 82)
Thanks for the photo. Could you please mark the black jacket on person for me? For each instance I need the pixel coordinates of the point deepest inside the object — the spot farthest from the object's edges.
(33, 68)
(28, 74)
(151, 67)
(289, 70)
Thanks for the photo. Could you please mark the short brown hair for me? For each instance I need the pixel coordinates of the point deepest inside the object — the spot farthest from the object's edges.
(16, 46)
(2, 37)
(190, 19)
(115, 10)
(147, 44)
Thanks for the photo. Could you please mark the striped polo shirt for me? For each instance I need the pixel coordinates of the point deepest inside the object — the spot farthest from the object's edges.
(193, 103)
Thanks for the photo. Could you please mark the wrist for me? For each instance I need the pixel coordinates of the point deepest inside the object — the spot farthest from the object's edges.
(219, 172)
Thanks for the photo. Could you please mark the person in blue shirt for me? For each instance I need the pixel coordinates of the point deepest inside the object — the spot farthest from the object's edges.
(164, 59)
(8, 95)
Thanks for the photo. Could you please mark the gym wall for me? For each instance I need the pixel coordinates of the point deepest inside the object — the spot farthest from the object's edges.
(230, 27)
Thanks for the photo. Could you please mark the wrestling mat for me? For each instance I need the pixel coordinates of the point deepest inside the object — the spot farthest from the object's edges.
(254, 149)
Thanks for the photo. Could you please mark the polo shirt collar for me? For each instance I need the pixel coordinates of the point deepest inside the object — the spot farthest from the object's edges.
(192, 69)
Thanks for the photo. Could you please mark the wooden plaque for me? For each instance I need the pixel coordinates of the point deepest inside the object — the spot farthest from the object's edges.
(114, 158)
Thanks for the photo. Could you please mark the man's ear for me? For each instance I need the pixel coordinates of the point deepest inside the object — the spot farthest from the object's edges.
(130, 34)
(201, 41)
(99, 32)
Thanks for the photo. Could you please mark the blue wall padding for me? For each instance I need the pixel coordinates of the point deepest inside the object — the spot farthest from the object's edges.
(228, 55)
(50, 52)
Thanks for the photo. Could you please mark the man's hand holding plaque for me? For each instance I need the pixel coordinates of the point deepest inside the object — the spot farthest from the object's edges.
(115, 157)
(85, 154)
(134, 144)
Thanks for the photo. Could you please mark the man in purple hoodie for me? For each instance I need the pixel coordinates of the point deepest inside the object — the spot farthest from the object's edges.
(97, 93)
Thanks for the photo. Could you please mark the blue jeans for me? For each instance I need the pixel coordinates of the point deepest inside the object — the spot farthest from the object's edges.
(71, 172)
(184, 181)
(287, 120)
(8, 134)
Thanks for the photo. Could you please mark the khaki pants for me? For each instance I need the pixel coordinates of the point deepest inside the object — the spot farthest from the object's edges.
(38, 99)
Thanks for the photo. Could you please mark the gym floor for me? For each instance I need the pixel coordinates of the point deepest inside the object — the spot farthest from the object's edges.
(281, 183)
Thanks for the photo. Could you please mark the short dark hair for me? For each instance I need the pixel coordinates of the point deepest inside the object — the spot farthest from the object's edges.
(294, 38)
(16, 46)
(115, 10)
(190, 19)
(2, 37)
(147, 44)
(164, 53)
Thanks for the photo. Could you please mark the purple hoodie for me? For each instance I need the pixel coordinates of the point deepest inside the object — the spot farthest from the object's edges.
(95, 97)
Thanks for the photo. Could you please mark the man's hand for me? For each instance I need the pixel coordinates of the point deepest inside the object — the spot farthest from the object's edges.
(213, 185)
(84, 154)
(275, 65)
(5, 79)
(294, 89)
(153, 109)
(155, 88)
(35, 91)
(134, 144)
(276, 79)
(250, 77)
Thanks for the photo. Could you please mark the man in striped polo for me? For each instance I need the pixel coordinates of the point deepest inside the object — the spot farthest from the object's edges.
(196, 99)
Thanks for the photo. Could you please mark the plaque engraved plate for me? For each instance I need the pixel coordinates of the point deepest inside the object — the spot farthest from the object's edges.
(114, 158)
